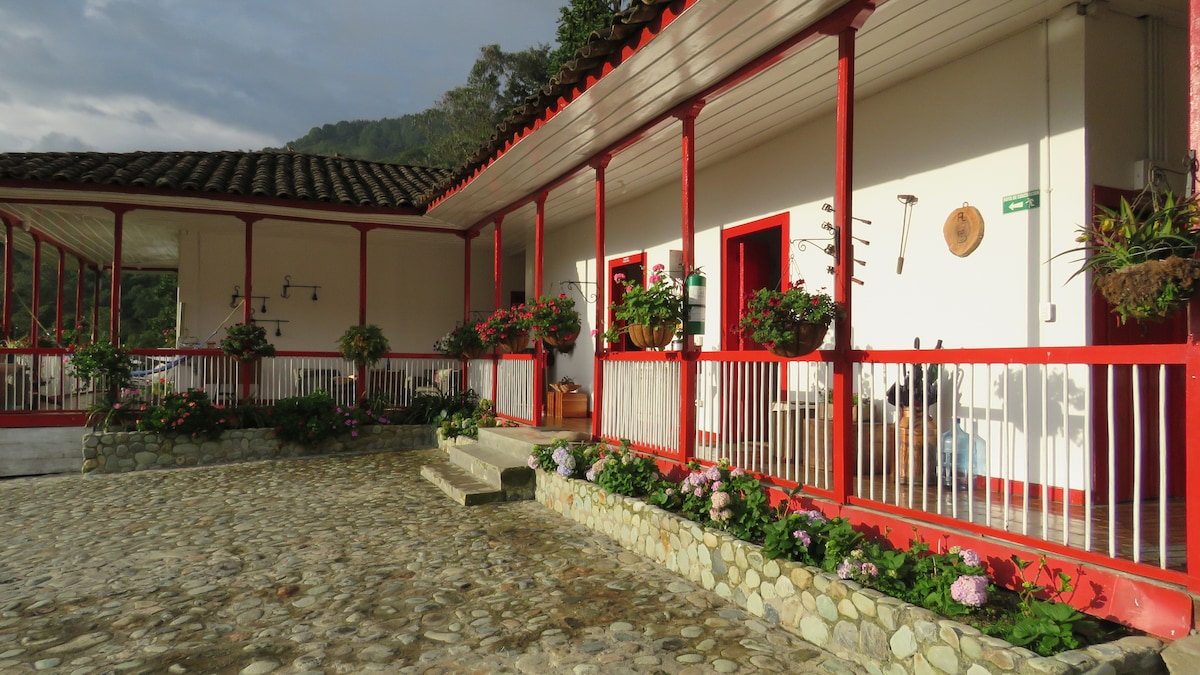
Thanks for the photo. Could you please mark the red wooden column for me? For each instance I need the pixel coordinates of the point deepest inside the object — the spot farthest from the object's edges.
(95, 303)
(539, 351)
(79, 280)
(843, 373)
(114, 298)
(58, 299)
(687, 384)
(6, 321)
(37, 290)
(244, 373)
(1192, 425)
(601, 286)
(497, 258)
(468, 237)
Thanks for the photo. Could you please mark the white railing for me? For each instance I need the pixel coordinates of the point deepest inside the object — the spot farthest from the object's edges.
(399, 379)
(514, 391)
(641, 403)
(479, 377)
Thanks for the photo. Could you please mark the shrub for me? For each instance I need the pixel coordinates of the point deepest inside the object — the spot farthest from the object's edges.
(190, 413)
(622, 471)
(313, 418)
(724, 498)
(567, 459)
(435, 407)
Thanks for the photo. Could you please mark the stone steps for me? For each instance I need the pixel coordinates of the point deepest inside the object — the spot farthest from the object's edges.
(494, 468)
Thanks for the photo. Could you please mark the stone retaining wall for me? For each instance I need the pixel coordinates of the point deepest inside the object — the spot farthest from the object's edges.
(138, 450)
(885, 635)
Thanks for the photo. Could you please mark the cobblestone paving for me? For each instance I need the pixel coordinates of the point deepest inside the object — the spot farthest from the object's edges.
(343, 564)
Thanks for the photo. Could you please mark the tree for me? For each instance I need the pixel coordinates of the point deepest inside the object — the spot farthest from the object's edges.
(578, 20)
(467, 116)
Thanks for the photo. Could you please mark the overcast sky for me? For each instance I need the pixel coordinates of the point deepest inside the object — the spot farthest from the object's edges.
(124, 75)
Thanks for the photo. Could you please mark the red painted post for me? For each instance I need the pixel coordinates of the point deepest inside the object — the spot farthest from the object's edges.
(843, 369)
(360, 379)
(539, 351)
(1192, 393)
(79, 281)
(114, 298)
(497, 257)
(687, 385)
(96, 304)
(467, 238)
(37, 290)
(58, 297)
(244, 372)
(6, 322)
(601, 286)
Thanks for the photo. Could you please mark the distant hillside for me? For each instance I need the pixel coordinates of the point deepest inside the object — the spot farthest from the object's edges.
(393, 139)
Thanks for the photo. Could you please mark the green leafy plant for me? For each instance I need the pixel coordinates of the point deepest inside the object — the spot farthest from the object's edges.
(363, 345)
(315, 417)
(118, 413)
(622, 471)
(246, 342)
(772, 317)
(555, 321)
(189, 413)
(725, 498)
(463, 342)
(464, 423)
(435, 407)
(1142, 254)
(106, 362)
(505, 324)
(1045, 627)
(660, 303)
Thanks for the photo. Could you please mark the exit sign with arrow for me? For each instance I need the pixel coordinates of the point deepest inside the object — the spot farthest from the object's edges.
(1023, 201)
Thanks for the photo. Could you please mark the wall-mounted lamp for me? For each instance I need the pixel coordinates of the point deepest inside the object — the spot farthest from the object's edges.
(287, 283)
(274, 321)
(237, 293)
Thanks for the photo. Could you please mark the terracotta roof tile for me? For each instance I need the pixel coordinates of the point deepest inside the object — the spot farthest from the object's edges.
(272, 175)
(601, 47)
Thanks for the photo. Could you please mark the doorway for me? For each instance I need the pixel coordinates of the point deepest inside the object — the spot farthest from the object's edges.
(633, 267)
(754, 257)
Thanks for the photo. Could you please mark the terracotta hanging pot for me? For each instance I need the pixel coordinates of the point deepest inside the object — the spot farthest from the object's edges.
(515, 344)
(652, 337)
(475, 352)
(559, 342)
(806, 338)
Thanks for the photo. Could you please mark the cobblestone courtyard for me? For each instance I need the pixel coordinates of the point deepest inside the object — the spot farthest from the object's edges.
(342, 565)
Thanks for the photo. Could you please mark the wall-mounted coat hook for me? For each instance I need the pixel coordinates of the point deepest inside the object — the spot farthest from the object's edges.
(287, 284)
(589, 298)
(237, 293)
(829, 208)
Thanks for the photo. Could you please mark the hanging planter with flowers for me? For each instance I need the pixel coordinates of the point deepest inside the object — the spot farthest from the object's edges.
(651, 315)
(508, 328)
(788, 323)
(462, 342)
(556, 322)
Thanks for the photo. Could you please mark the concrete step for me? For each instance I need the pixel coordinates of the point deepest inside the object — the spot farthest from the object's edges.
(519, 441)
(461, 486)
(500, 468)
(40, 450)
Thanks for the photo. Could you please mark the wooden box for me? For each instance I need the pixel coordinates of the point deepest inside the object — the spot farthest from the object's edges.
(573, 405)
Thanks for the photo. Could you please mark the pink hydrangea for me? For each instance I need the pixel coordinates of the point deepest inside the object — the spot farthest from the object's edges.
(720, 500)
(803, 537)
(970, 557)
(970, 590)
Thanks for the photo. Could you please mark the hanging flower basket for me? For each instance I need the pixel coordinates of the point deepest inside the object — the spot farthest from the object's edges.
(1151, 290)
(562, 341)
(804, 340)
(475, 352)
(652, 337)
(514, 344)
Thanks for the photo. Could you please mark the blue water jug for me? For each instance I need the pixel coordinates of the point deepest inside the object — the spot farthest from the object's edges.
(968, 450)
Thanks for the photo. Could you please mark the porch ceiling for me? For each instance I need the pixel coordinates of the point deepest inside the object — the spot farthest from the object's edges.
(903, 39)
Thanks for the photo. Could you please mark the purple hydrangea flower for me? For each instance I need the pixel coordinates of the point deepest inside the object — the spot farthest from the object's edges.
(869, 569)
(845, 569)
(970, 557)
(814, 516)
(803, 537)
(712, 474)
(970, 590)
(698, 492)
(565, 471)
(560, 455)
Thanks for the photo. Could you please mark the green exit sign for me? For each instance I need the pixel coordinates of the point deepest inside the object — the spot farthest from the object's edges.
(1023, 201)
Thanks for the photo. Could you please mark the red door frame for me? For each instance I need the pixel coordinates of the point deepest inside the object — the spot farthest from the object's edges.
(617, 290)
(731, 299)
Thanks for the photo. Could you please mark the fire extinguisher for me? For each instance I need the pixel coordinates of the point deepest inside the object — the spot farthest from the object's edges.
(695, 298)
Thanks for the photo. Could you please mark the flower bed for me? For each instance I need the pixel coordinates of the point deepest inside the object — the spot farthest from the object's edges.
(138, 450)
(884, 634)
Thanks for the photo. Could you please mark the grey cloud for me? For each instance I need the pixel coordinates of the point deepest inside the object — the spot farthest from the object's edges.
(57, 142)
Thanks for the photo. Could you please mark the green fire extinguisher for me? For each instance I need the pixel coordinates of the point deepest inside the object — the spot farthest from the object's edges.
(694, 303)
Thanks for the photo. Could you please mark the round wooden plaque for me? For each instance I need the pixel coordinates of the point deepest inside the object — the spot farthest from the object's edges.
(963, 230)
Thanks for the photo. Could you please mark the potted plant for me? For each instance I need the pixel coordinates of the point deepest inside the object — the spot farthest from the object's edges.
(246, 342)
(462, 342)
(105, 362)
(1142, 255)
(789, 323)
(508, 328)
(363, 345)
(651, 314)
(556, 322)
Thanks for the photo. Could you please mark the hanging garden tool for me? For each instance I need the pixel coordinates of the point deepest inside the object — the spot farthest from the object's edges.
(908, 201)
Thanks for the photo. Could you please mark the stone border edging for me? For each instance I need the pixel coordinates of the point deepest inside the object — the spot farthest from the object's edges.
(124, 451)
(885, 635)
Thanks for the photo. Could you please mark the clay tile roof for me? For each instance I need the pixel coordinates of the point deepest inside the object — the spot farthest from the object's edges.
(601, 48)
(272, 175)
